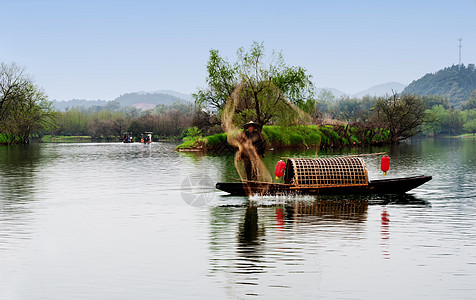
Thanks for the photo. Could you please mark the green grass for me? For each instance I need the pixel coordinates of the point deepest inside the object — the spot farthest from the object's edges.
(215, 140)
(467, 136)
(6, 139)
(65, 139)
(296, 137)
(192, 143)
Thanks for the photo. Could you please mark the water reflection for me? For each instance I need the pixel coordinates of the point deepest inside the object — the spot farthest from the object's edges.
(250, 230)
(342, 210)
(385, 232)
(19, 166)
(403, 199)
(106, 213)
(277, 237)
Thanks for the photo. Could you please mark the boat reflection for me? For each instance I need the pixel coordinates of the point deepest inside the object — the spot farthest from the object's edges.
(273, 237)
(290, 235)
(324, 210)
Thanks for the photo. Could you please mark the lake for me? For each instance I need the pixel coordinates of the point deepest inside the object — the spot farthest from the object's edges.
(133, 221)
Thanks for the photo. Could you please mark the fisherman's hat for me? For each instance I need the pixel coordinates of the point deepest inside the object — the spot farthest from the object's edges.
(251, 123)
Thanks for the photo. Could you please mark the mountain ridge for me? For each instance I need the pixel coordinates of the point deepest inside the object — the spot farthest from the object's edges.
(379, 90)
(455, 82)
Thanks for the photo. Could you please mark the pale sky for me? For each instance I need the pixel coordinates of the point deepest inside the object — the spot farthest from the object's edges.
(101, 49)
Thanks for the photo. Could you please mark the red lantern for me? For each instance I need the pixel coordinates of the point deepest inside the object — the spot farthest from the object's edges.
(385, 164)
(279, 171)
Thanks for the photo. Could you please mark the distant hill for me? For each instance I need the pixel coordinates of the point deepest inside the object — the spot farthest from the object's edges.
(186, 97)
(456, 82)
(150, 98)
(63, 105)
(381, 90)
(142, 100)
(337, 93)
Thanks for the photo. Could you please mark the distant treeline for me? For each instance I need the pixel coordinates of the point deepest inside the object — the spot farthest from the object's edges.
(440, 117)
(110, 122)
(166, 121)
(25, 111)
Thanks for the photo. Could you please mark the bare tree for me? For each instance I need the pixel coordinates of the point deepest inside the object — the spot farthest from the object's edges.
(12, 80)
(24, 108)
(402, 116)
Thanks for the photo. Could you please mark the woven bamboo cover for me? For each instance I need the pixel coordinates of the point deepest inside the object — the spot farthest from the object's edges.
(336, 171)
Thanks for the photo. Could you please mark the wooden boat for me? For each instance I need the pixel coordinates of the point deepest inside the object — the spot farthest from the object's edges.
(325, 176)
(383, 186)
(127, 137)
(146, 137)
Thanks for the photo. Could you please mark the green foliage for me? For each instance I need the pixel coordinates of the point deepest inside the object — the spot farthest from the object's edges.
(468, 115)
(382, 136)
(193, 139)
(449, 121)
(7, 139)
(470, 126)
(215, 140)
(265, 86)
(292, 137)
(470, 103)
(331, 136)
(222, 80)
(434, 100)
(309, 136)
(453, 122)
(435, 117)
(65, 139)
(191, 132)
(324, 139)
(296, 139)
(24, 107)
(273, 133)
(456, 82)
(194, 143)
(354, 140)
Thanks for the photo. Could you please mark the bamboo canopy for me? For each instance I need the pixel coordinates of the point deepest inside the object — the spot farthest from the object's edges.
(326, 172)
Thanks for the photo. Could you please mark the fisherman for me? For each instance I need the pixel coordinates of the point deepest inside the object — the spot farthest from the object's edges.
(251, 138)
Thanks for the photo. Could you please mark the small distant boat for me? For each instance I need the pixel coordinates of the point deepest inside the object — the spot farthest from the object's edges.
(325, 176)
(127, 137)
(146, 137)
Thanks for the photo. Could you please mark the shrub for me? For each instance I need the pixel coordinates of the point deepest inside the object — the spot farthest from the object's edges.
(296, 139)
(191, 133)
(8, 139)
(215, 140)
(274, 136)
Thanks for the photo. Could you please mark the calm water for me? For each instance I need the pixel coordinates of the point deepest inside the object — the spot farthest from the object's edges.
(128, 221)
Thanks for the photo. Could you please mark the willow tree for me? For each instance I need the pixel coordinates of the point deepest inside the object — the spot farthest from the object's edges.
(24, 107)
(268, 87)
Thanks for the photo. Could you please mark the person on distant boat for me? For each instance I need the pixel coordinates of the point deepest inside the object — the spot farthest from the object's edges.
(254, 147)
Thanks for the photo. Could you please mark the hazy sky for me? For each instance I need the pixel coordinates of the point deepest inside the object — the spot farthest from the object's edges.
(101, 49)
